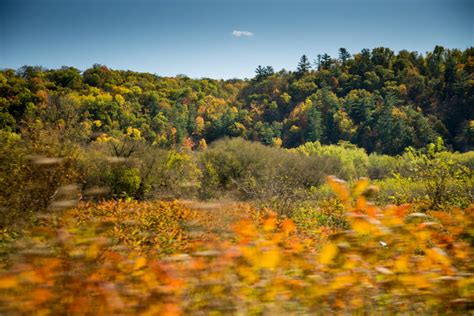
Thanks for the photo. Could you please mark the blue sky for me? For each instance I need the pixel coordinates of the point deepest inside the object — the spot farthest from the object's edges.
(197, 38)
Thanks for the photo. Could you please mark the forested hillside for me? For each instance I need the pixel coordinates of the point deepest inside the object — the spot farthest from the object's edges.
(377, 99)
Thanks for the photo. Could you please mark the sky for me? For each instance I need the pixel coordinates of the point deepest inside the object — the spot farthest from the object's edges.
(220, 38)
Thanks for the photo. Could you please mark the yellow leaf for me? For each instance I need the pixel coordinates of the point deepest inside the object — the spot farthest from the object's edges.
(438, 255)
(93, 251)
(247, 273)
(342, 281)
(8, 282)
(269, 259)
(419, 281)
(362, 226)
(360, 186)
(140, 263)
(328, 253)
(339, 187)
(401, 264)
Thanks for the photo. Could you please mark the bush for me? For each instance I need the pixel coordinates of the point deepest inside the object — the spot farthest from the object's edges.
(156, 227)
(272, 177)
(354, 160)
(399, 191)
(381, 166)
(328, 214)
(446, 180)
(180, 175)
(32, 172)
(107, 174)
(123, 181)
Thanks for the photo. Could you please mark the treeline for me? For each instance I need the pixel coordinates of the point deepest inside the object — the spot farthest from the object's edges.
(376, 99)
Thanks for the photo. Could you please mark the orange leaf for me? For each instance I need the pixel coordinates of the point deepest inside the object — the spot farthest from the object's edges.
(269, 223)
(8, 282)
(139, 263)
(288, 226)
(339, 187)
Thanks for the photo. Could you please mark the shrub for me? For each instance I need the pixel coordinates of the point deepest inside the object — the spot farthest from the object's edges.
(148, 172)
(354, 160)
(123, 181)
(400, 190)
(381, 166)
(108, 173)
(180, 175)
(156, 227)
(272, 177)
(32, 171)
(446, 180)
(328, 214)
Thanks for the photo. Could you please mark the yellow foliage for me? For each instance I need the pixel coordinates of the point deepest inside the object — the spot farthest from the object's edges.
(270, 223)
(269, 259)
(339, 187)
(360, 187)
(202, 144)
(134, 133)
(8, 282)
(139, 263)
(142, 257)
(277, 142)
(120, 100)
(328, 253)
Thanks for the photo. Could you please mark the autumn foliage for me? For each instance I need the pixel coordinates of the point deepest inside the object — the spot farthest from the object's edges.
(137, 257)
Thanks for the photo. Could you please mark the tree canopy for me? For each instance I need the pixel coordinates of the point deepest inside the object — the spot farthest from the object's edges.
(377, 99)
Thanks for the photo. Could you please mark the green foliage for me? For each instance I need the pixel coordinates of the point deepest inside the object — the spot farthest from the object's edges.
(376, 99)
(33, 170)
(354, 161)
(329, 213)
(180, 175)
(446, 181)
(67, 137)
(67, 134)
(381, 166)
(123, 181)
(273, 177)
(430, 176)
(399, 190)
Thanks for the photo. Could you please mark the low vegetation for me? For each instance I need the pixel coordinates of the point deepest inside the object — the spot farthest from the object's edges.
(129, 193)
(110, 258)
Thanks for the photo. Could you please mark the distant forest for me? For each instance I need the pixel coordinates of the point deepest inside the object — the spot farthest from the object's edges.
(376, 99)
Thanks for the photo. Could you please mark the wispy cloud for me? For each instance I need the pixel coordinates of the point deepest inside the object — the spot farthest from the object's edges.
(237, 33)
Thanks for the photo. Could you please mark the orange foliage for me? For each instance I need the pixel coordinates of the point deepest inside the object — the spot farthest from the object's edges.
(390, 260)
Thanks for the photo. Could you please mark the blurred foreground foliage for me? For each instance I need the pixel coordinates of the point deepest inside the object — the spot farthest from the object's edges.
(387, 259)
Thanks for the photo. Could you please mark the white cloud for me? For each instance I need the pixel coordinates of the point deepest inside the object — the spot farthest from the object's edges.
(242, 33)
